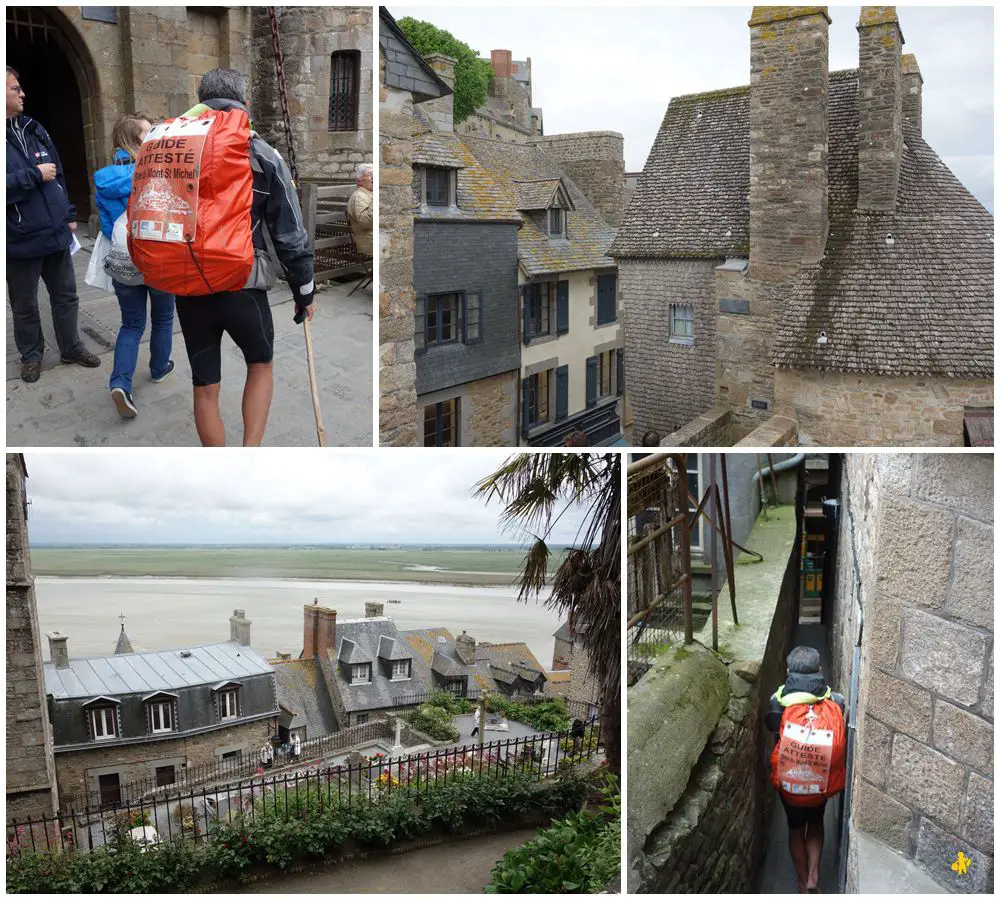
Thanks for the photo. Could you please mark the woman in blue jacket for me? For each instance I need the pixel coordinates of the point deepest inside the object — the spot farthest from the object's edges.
(113, 185)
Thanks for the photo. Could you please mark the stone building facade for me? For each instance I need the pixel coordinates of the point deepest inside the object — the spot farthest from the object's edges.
(404, 78)
(779, 258)
(915, 562)
(84, 67)
(507, 113)
(31, 771)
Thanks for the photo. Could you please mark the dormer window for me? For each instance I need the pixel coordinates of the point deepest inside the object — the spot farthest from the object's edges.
(227, 700)
(437, 186)
(556, 222)
(361, 673)
(104, 723)
(160, 712)
(400, 670)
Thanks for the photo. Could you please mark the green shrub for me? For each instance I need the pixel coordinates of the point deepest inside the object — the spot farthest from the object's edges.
(549, 715)
(577, 854)
(456, 706)
(312, 828)
(434, 721)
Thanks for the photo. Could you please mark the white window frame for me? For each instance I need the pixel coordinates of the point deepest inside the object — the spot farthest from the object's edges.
(165, 708)
(407, 670)
(363, 669)
(227, 698)
(105, 715)
(697, 533)
(611, 357)
(683, 335)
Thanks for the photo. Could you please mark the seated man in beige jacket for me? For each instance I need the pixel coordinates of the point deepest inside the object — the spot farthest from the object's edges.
(359, 211)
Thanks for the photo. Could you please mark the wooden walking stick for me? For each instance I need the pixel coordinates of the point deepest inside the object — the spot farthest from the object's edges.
(317, 412)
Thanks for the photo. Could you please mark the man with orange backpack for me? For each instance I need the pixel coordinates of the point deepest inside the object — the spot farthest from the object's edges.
(212, 217)
(808, 764)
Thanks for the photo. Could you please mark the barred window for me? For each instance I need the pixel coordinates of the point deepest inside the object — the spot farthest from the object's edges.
(345, 83)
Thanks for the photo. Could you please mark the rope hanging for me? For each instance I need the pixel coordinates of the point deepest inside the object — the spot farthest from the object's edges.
(279, 67)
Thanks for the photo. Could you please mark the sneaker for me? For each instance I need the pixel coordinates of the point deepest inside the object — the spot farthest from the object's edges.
(123, 401)
(170, 368)
(83, 358)
(31, 371)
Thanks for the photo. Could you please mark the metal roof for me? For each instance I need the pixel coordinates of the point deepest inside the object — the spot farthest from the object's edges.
(134, 673)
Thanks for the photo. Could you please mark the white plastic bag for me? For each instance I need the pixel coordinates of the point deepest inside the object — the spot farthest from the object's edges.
(118, 263)
(96, 276)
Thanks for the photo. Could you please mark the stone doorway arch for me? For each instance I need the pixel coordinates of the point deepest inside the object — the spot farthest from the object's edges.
(61, 91)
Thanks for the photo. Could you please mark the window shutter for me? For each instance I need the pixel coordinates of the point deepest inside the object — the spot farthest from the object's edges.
(420, 325)
(562, 392)
(591, 381)
(473, 305)
(526, 313)
(606, 303)
(620, 360)
(562, 307)
(525, 394)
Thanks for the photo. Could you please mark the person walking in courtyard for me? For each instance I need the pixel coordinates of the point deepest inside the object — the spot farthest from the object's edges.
(359, 211)
(167, 240)
(475, 719)
(808, 764)
(40, 225)
(113, 186)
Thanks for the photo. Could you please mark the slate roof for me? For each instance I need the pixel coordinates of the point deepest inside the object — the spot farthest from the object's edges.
(535, 194)
(434, 650)
(124, 645)
(135, 673)
(480, 197)
(588, 236)
(919, 305)
(381, 693)
(302, 692)
(513, 659)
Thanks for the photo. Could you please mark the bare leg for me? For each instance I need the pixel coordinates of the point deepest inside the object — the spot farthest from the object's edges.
(814, 852)
(207, 418)
(257, 395)
(797, 848)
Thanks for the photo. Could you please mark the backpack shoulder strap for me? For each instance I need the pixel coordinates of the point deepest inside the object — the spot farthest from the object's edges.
(257, 167)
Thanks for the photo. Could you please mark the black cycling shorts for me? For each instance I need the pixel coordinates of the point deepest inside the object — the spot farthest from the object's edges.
(800, 816)
(244, 315)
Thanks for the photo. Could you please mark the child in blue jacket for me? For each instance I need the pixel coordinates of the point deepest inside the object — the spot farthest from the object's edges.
(113, 185)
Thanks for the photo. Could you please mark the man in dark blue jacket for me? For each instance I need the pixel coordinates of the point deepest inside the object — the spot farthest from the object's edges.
(40, 222)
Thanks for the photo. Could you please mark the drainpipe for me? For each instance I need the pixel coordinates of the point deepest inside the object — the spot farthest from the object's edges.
(783, 466)
(852, 725)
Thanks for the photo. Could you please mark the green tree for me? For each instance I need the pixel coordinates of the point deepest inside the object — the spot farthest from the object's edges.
(472, 74)
(536, 491)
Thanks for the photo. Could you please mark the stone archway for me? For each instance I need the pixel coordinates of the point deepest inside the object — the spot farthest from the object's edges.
(61, 91)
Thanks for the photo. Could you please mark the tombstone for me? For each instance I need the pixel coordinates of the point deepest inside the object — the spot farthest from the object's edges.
(397, 747)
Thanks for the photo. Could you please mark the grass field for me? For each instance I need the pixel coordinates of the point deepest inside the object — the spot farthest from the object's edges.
(453, 566)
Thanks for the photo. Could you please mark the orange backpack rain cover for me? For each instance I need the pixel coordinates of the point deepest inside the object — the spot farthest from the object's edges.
(189, 211)
(808, 763)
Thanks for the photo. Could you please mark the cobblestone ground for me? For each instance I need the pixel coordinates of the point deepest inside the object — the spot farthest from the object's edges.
(458, 867)
(70, 406)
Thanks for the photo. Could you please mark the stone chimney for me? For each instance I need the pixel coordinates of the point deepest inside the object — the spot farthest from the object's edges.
(442, 111)
(913, 89)
(319, 631)
(465, 647)
(789, 133)
(374, 609)
(58, 652)
(880, 107)
(503, 72)
(239, 628)
(595, 161)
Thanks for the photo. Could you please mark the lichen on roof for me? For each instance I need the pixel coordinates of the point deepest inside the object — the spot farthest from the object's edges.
(763, 15)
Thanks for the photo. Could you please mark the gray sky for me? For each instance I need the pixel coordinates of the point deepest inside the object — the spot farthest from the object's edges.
(178, 496)
(594, 69)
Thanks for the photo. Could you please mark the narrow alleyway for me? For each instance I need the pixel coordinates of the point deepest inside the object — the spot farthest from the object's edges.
(777, 874)
(70, 405)
(456, 867)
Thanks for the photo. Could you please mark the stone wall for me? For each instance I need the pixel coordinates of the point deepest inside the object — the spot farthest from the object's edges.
(487, 410)
(844, 409)
(916, 552)
(710, 429)
(698, 751)
(398, 414)
(583, 687)
(309, 35)
(30, 767)
(595, 162)
(77, 771)
(669, 384)
(778, 431)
